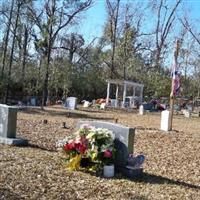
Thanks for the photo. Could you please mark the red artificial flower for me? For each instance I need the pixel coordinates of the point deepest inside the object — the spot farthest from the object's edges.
(107, 154)
(81, 148)
(69, 146)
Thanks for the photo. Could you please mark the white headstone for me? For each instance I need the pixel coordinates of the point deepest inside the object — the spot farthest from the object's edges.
(165, 120)
(141, 110)
(86, 104)
(103, 106)
(183, 111)
(187, 113)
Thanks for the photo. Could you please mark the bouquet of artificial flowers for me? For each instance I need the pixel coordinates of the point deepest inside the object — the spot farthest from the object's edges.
(92, 144)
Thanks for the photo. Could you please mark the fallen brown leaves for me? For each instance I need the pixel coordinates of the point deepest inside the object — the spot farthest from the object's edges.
(171, 170)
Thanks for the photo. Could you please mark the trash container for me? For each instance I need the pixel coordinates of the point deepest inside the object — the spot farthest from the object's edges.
(71, 103)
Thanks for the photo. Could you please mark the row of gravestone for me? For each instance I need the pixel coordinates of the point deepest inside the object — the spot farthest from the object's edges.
(124, 138)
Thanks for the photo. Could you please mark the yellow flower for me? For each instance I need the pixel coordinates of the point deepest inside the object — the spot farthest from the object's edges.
(74, 163)
(94, 156)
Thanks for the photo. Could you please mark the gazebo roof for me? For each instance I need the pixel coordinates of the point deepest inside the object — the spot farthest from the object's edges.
(124, 82)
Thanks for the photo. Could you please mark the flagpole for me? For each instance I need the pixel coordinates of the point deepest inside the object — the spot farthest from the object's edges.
(172, 87)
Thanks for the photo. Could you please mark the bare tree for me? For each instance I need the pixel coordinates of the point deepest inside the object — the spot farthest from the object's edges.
(188, 27)
(19, 4)
(165, 19)
(24, 54)
(24, 37)
(7, 36)
(130, 42)
(58, 16)
(113, 16)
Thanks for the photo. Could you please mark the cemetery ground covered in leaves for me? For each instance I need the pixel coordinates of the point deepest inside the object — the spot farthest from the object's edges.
(171, 169)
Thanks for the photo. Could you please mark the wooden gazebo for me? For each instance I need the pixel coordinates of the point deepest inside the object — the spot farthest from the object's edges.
(125, 84)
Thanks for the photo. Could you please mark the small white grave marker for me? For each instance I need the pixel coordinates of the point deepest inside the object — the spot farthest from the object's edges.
(164, 126)
(141, 110)
(86, 104)
(187, 113)
(1, 129)
(103, 106)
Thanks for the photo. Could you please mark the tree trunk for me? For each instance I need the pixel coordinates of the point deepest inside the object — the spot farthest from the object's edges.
(24, 52)
(71, 50)
(12, 52)
(45, 89)
(6, 39)
(157, 61)
(48, 56)
(125, 47)
(46, 79)
(113, 14)
(114, 42)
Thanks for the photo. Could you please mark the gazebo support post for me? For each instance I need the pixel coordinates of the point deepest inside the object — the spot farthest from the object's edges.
(141, 95)
(116, 96)
(133, 103)
(108, 93)
(124, 95)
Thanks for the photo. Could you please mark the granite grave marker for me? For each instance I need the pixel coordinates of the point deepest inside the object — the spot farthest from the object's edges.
(8, 121)
(124, 143)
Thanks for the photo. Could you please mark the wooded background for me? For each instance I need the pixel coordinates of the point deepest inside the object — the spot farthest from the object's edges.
(41, 56)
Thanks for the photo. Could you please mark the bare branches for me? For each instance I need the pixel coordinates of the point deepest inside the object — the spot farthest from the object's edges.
(158, 23)
(7, 38)
(170, 20)
(113, 12)
(36, 18)
(85, 50)
(62, 24)
(164, 24)
(186, 24)
(54, 17)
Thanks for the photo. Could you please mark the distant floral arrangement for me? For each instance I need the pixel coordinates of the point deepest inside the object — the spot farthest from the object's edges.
(91, 148)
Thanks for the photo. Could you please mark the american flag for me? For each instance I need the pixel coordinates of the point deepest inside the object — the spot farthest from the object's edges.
(175, 76)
